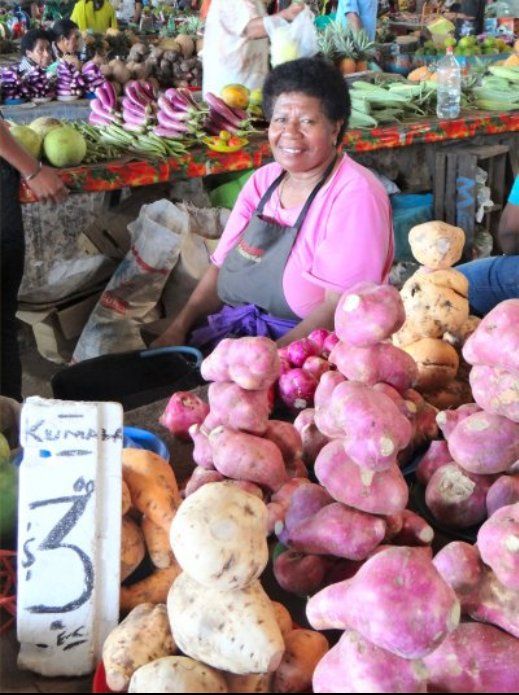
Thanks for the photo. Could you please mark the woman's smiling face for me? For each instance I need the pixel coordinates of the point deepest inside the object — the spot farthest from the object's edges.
(301, 136)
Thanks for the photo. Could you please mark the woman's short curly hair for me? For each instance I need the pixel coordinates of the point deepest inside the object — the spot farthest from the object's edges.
(315, 77)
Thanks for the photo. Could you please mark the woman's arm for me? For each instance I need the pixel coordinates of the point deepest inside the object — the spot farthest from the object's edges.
(322, 317)
(203, 301)
(255, 29)
(508, 231)
(46, 184)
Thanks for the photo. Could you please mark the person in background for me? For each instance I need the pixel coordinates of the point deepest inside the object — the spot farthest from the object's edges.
(36, 50)
(359, 14)
(46, 186)
(58, 9)
(65, 33)
(494, 279)
(97, 15)
(236, 47)
(304, 229)
(128, 11)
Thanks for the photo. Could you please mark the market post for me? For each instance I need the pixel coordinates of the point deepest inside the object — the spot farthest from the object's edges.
(69, 522)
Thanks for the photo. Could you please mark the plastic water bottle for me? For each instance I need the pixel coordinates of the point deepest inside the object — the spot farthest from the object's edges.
(449, 86)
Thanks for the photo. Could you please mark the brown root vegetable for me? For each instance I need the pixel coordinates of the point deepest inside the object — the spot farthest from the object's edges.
(143, 636)
(187, 45)
(133, 548)
(303, 651)
(437, 363)
(283, 617)
(153, 589)
(437, 244)
(126, 499)
(252, 683)
(157, 542)
(120, 71)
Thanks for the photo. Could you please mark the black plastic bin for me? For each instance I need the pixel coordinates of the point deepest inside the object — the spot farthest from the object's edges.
(132, 378)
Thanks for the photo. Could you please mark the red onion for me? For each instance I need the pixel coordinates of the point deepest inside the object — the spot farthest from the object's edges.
(317, 337)
(316, 366)
(297, 388)
(284, 365)
(330, 342)
(299, 350)
(183, 410)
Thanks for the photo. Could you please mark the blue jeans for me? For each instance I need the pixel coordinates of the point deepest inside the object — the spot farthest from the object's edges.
(491, 281)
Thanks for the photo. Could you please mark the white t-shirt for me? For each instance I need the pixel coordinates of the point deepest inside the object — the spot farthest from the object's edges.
(124, 9)
(228, 56)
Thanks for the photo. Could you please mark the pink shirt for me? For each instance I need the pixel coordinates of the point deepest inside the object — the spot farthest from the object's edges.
(347, 235)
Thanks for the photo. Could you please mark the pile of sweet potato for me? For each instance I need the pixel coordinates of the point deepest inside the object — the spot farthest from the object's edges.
(474, 472)
(231, 636)
(437, 313)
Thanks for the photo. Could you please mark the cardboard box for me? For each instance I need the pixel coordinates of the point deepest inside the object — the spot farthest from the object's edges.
(57, 329)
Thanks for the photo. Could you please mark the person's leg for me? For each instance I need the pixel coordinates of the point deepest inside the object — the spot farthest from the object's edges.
(12, 258)
(491, 281)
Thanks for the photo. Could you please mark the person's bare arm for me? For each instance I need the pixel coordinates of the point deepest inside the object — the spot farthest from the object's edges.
(508, 231)
(203, 301)
(354, 20)
(322, 317)
(255, 29)
(46, 185)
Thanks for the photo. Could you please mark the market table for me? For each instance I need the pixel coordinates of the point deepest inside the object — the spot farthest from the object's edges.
(199, 162)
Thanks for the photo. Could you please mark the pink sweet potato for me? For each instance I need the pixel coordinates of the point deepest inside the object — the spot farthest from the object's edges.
(415, 531)
(394, 524)
(436, 456)
(202, 453)
(297, 469)
(448, 419)
(368, 313)
(460, 565)
(298, 573)
(340, 531)
(456, 497)
(484, 443)
(283, 496)
(407, 407)
(397, 600)
(276, 516)
(183, 410)
(252, 363)
(375, 429)
(312, 439)
(475, 659)
(239, 409)
(305, 501)
(498, 543)
(286, 437)
(495, 342)
(358, 666)
(384, 492)
(496, 390)
(380, 362)
(492, 602)
(327, 384)
(200, 477)
(243, 456)
(503, 492)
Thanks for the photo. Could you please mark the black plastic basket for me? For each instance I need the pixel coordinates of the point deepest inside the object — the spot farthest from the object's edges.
(134, 378)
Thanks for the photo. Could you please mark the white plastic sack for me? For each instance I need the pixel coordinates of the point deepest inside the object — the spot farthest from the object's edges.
(135, 288)
(291, 40)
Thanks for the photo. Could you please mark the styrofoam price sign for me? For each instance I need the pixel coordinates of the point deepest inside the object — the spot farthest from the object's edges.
(69, 533)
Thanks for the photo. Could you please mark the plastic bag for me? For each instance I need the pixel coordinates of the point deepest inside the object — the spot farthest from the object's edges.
(291, 40)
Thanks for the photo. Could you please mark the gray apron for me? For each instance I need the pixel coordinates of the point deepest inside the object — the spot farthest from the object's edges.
(253, 270)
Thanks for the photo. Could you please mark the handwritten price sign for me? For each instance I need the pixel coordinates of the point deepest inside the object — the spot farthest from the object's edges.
(69, 521)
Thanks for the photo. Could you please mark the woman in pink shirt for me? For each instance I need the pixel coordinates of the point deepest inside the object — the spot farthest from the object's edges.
(304, 228)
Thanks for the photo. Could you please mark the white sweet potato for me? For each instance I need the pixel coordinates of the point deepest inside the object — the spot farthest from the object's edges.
(143, 636)
(219, 536)
(251, 362)
(456, 497)
(496, 390)
(133, 549)
(235, 631)
(239, 409)
(370, 365)
(252, 683)
(448, 419)
(244, 456)
(177, 674)
(495, 342)
(474, 659)
(303, 651)
(485, 444)
(397, 600)
(498, 543)
(503, 492)
(355, 665)
(436, 456)
(384, 492)
(367, 314)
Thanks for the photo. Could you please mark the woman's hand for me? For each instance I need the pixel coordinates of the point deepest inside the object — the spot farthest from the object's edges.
(47, 185)
(175, 334)
(354, 21)
(292, 11)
